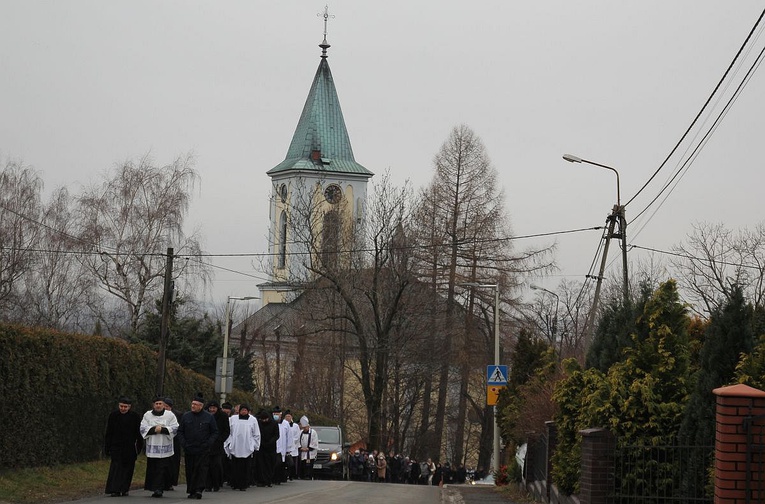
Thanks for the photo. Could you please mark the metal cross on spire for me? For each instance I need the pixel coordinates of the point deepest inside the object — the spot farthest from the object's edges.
(325, 45)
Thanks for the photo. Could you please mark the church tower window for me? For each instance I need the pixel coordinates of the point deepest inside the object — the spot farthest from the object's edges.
(283, 239)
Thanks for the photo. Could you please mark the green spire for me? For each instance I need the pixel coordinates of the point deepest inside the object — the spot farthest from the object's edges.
(321, 141)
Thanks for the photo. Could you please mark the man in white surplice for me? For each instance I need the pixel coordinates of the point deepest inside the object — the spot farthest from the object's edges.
(243, 441)
(308, 446)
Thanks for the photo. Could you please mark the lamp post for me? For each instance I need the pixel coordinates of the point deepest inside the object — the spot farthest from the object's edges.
(555, 320)
(226, 334)
(495, 444)
(617, 215)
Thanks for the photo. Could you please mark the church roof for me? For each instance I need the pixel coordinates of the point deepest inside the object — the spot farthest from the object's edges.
(321, 142)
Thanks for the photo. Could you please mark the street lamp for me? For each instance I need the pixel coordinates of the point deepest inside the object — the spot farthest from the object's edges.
(224, 363)
(495, 454)
(555, 320)
(617, 215)
(573, 159)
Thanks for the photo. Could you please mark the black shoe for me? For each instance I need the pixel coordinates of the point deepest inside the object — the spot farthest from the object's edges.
(157, 494)
(242, 489)
(124, 494)
(114, 494)
(190, 496)
(197, 495)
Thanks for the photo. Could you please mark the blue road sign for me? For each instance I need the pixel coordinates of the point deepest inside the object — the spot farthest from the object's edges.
(496, 375)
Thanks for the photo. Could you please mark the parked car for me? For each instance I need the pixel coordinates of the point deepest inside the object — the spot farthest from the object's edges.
(332, 457)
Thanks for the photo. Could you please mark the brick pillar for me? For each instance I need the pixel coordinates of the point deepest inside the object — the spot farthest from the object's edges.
(597, 479)
(734, 404)
(552, 443)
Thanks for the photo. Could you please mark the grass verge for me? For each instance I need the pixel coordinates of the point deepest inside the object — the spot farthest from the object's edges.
(46, 485)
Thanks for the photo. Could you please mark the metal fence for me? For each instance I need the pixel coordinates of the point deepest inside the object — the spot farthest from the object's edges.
(536, 459)
(663, 474)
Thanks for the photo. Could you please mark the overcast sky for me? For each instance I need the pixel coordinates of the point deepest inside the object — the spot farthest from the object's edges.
(85, 85)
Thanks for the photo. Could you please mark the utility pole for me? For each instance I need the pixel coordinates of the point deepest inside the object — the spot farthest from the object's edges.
(623, 235)
(167, 299)
(596, 297)
(617, 215)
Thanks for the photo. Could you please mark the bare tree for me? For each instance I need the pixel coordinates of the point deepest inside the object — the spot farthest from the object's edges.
(20, 210)
(365, 273)
(131, 218)
(58, 290)
(560, 316)
(715, 258)
(466, 239)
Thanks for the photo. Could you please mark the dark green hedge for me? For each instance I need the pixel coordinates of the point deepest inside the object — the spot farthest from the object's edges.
(57, 390)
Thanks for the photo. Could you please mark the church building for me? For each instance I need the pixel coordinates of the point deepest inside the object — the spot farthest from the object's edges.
(318, 191)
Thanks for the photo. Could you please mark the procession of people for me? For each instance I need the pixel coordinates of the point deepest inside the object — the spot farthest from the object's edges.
(221, 443)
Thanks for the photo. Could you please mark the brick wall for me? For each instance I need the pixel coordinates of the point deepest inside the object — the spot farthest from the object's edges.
(596, 481)
(736, 404)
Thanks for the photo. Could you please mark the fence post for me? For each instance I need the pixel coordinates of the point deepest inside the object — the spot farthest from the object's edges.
(597, 475)
(734, 405)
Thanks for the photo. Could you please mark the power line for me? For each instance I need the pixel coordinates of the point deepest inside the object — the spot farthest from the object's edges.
(46, 226)
(695, 258)
(687, 131)
(198, 257)
(694, 154)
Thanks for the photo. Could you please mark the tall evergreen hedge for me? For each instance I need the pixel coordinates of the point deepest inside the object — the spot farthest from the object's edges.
(57, 390)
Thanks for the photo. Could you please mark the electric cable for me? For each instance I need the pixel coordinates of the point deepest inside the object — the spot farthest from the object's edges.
(687, 131)
(695, 258)
(704, 140)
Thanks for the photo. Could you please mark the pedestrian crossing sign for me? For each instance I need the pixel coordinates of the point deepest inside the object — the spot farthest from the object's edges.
(496, 375)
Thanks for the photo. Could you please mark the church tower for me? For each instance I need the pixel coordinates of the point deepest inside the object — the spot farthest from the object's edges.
(318, 191)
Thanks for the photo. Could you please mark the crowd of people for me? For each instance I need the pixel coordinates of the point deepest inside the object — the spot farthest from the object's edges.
(221, 444)
(395, 468)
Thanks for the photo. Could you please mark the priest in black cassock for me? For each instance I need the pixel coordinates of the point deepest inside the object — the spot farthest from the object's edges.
(122, 442)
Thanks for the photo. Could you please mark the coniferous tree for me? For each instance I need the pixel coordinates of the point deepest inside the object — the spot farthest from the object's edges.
(614, 330)
(195, 342)
(528, 358)
(728, 335)
(640, 399)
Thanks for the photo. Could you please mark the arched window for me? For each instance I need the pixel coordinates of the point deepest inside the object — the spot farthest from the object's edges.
(359, 210)
(283, 239)
(330, 239)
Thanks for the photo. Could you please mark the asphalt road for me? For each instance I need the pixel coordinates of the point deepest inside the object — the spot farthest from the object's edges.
(467, 494)
(321, 492)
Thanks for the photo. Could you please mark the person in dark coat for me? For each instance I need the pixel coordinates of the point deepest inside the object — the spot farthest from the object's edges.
(122, 442)
(438, 476)
(227, 409)
(356, 466)
(215, 475)
(265, 457)
(415, 473)
(198, 432)
(175, 460)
